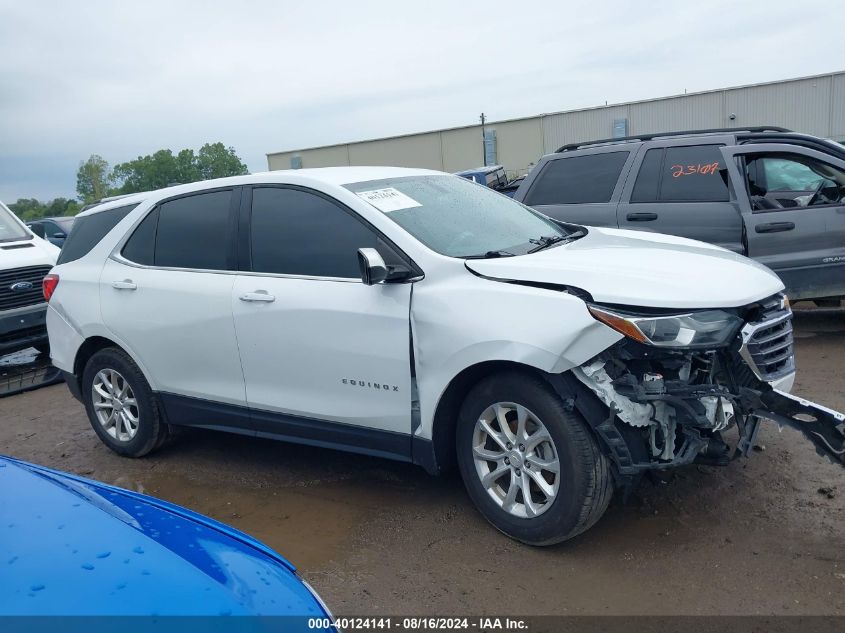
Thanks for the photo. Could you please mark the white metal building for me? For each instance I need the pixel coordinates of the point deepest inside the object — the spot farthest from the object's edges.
(815, 105)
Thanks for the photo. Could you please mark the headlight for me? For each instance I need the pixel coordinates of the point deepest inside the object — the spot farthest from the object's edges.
(705, 328)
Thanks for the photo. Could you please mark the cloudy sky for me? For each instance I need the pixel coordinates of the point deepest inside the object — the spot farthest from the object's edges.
(125, 78)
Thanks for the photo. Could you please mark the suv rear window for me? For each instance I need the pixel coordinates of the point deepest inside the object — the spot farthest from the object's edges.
(681, 174)
(89, 230)
(578, 179)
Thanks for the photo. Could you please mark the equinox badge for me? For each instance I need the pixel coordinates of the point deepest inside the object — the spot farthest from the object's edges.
(371, 385)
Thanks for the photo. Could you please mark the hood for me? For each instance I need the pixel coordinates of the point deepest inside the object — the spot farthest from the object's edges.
(23, 253)
(641, 269)
(70, 546)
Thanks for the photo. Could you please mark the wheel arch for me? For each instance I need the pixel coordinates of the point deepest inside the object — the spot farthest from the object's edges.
(446, 413)
(91, 346)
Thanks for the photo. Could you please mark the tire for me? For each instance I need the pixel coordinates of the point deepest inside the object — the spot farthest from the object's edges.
(584, 481)
(150, 430)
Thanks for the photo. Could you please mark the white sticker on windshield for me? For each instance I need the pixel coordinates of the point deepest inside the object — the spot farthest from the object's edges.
(388, 199)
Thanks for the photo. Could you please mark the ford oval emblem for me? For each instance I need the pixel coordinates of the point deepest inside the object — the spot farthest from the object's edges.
(21, 286)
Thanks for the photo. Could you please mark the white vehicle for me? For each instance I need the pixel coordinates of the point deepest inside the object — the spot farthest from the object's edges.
(25, 259)
(415, 315)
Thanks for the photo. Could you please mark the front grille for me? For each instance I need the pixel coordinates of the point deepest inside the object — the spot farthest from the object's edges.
(767, 341)
(10, 299)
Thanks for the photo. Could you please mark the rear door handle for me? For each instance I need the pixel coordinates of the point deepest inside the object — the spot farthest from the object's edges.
(641, 217)
(126, 284)
(774, 227)
(260, 296)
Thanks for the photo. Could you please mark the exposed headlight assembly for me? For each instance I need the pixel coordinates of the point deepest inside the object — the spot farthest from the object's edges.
(699, 329)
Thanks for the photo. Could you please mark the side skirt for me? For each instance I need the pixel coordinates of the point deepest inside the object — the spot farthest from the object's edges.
(196, 412)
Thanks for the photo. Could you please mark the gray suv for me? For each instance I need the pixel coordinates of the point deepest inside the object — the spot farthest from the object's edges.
(771, 194)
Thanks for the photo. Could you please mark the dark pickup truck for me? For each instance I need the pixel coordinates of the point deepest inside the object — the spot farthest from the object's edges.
(774, 195)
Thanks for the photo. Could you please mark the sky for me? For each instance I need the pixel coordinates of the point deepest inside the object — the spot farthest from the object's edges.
(123, 79)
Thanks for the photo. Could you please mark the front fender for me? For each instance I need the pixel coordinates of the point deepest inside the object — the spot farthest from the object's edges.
(467, 320)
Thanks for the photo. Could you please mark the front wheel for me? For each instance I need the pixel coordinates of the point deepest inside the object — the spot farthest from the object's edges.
(120, 404)
(531, 466)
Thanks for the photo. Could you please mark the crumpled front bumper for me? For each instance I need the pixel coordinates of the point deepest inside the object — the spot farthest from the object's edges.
(823, 427)
(682, 422)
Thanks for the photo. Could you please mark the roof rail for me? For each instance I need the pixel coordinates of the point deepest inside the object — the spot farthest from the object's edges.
(648, 137)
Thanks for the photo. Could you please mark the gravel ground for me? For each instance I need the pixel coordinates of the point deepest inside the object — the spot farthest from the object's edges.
(762, 536)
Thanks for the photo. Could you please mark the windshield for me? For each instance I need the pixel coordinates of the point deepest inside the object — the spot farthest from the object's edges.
(458, 218)
(10, 228)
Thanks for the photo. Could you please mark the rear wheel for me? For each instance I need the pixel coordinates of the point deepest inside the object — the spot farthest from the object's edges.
(120, 404)
(531, 466)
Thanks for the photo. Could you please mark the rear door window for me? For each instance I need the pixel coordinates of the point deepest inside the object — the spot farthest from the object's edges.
(194, 232)
(577, 179)
(89, 230)
(694, 173)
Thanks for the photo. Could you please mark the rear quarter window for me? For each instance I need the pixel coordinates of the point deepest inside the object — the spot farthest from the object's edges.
(578, 179)
(89, 230)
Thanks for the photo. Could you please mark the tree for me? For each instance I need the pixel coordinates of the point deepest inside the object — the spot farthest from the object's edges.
(93, 180)
(145, 173)
(217, 161)
(61, 206)
(27, 209)
(163, 168)
(31, 209)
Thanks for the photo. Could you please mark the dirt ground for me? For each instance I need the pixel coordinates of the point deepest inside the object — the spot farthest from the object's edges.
(378, 537)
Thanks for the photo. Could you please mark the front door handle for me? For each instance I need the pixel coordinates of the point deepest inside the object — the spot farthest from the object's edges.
(261, 296)
(126, 284)
(641, 217)
(774, 227)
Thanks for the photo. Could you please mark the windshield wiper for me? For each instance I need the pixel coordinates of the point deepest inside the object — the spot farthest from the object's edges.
(545, 241)
(490, 255)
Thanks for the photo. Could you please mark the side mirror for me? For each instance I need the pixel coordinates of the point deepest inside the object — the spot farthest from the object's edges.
(38, 229)
(60, 236)
(372, 266)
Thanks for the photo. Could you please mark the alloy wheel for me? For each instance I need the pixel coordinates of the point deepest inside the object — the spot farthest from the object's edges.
(516, 460)
(115, 405)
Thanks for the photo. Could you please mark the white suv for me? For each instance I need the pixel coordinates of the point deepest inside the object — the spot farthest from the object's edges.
(415, 315)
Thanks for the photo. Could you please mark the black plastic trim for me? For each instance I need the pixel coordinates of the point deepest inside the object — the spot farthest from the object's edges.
(72, 383)
(187, 411)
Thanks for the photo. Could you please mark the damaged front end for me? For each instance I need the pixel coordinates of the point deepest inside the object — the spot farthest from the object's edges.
(657, 404)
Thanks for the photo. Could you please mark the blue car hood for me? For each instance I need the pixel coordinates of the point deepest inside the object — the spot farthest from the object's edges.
(71, 546)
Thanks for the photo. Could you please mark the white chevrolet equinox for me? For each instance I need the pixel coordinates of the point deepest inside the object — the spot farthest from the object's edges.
(414, 315)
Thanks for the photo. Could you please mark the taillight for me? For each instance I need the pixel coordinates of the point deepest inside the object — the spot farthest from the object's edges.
(49, 286)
